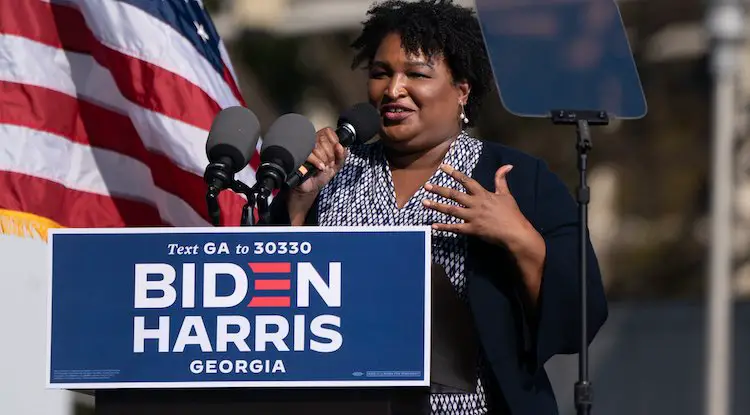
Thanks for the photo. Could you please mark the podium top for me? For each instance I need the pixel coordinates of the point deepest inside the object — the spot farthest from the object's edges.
(242, 229)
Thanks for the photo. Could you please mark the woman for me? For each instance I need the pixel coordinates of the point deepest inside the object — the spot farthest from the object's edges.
(505, 227)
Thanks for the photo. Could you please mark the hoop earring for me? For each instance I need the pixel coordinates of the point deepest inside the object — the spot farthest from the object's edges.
(463, 116)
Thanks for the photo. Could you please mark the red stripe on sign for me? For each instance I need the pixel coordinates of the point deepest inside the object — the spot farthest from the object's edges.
(270, 302)
(143, 83)
(273, 285)
(271, 267)
(72, 208)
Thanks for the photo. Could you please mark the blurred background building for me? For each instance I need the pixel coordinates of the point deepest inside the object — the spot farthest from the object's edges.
(650, 183)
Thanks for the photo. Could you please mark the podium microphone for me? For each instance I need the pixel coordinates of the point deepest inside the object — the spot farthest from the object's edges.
(288, 142)
(355, 126)
(231, 142)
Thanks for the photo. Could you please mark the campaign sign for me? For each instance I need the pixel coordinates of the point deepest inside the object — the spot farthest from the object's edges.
(239, 307)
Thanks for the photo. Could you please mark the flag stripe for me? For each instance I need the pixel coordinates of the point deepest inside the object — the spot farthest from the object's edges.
(73, 208)
(78, 75)
(232, 84)
(141, 82)
(94, 170)
(227, 71)
(85, 123)
(136, 33)
(190, 22)
(105, 100)
(229, 74)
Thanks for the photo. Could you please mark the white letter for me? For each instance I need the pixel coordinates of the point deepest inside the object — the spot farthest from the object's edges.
(210, 366)
(223, 248)
(188, 285)
(209, 248)
(210, 299)
(299, 333)
(241, 366)
(143, 285)
(256, 366)
(330, 293)
(224, 337)
(186, 337)
(196, 366)
(141, 333)
(317, 329)
(225, 366)
(262, 336)
(278, 366)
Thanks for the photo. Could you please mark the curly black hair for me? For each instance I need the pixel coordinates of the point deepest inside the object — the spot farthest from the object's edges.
(433, 27)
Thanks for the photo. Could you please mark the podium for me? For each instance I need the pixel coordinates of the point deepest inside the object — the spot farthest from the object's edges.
(246, 320)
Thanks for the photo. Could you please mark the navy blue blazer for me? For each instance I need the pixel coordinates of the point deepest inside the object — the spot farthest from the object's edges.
(517, 339)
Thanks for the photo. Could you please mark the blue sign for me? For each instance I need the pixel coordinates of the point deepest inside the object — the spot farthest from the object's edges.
(239, 307)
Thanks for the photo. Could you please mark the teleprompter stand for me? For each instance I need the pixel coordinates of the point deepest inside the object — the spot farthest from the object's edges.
(582, 120)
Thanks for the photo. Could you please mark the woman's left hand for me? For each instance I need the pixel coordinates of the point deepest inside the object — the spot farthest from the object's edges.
(493, 217)
(496, 218)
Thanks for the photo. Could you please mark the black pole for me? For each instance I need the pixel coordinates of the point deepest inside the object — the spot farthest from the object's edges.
(212, 202)
(218, 176)
(264, 215)
(583, 390)
(582, 120)
(247, 209)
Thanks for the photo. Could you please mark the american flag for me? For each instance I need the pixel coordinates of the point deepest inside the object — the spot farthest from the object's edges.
(105, 107)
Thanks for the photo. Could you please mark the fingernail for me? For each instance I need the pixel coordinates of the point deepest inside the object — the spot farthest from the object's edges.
(321, 166)
(428, 186)
(426, 202)
(446, 168)
(509, 169)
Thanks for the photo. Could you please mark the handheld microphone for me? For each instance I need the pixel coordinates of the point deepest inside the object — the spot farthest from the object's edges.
(288, 142)
(231, 142)
(355, 126)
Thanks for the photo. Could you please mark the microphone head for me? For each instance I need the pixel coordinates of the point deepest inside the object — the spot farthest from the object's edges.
(365, 119)
(234, 134)
(288, 142)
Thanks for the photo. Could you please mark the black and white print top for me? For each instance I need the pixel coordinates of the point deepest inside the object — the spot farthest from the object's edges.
(362, 194)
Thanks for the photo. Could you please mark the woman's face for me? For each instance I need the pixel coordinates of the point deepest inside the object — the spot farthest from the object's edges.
(418, 100)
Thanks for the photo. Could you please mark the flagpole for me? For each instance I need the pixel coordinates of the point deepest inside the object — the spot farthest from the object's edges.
(725, 26)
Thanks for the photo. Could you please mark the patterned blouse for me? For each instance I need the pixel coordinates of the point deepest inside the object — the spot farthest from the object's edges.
(362, 194)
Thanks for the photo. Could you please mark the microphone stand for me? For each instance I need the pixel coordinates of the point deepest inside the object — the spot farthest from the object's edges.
(261, 198)
(218, 178)
(238, 186)
(257, 197)
(582, 120)
(212, 200)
